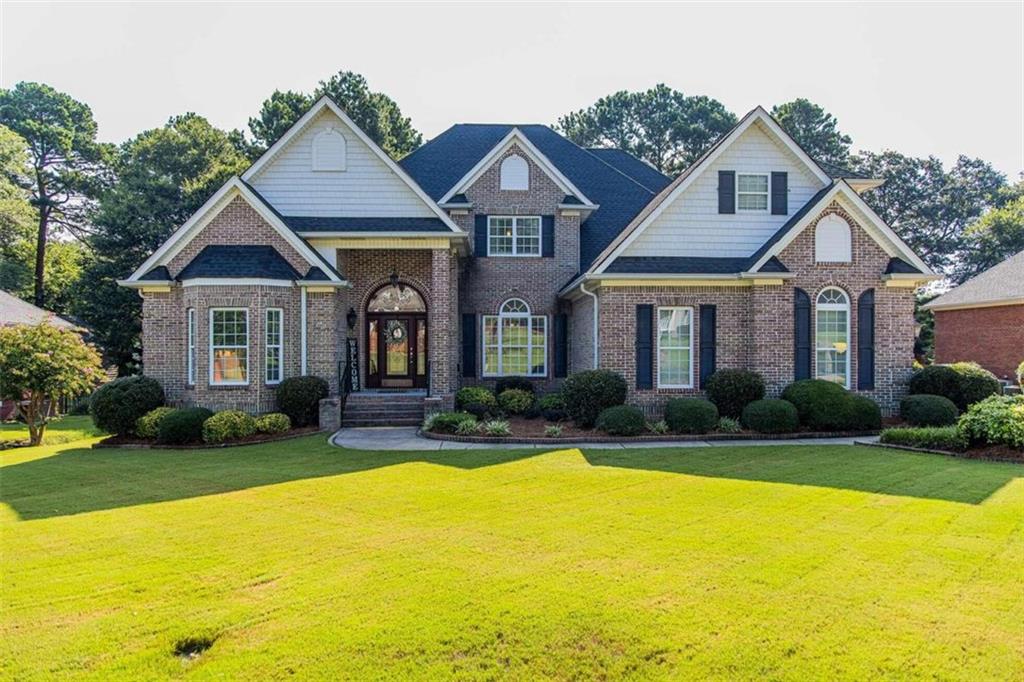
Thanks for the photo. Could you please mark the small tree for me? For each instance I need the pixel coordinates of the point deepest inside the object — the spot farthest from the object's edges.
(39, 365)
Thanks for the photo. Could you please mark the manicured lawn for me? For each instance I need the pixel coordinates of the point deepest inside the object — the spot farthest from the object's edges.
(64, 430)
(304, 560)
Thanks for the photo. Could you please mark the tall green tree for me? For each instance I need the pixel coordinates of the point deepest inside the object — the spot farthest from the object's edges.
(377, 114)
(995, 236)
(814, 129)
(662, 126)
(68, 165)
(16, 211)
(164, 176)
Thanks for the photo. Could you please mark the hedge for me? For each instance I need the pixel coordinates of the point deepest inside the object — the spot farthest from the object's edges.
(515, 400)
(771, 415)
(228, 425)
(183, 426)
(928, 410)
(926, 437)
(621, 420)
(117, 406)
(299, 398)
(590, 392)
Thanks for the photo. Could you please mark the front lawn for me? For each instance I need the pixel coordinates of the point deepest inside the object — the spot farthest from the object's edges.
(298, 559)
(63, 430)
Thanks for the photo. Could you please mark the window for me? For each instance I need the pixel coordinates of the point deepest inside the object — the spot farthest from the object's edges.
(191, 358)
(515, 174)
(832, 240)
(752, 191)
(229, 346)
(832, 336)
(515, 342)
(513, 236)
(394, 298)
(675, 347)
(329, 151)
(275, 345)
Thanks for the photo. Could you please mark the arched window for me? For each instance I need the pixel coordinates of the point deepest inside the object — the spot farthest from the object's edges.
(329, 151)
(515, 174)
(832, 240)
(395, 298)
(515, 342)
(832, 336)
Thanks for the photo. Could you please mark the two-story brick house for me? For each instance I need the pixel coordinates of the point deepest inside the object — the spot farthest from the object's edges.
(502, 250)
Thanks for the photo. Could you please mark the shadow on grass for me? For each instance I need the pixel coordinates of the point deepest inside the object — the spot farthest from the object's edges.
(78, 480)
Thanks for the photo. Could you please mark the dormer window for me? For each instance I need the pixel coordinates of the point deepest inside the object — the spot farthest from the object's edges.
(515, 174)
(329, 149)
(752, 192)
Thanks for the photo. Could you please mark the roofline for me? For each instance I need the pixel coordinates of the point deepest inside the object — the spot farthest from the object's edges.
(378, 235)
(988, 303)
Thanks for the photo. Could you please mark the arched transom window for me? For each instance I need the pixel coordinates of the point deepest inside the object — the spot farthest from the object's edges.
(832, 336)
(515, 343)
(395, 298)
(329, 149)
(515, 173)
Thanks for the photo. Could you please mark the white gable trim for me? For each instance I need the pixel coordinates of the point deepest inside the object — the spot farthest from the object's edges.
(326, 102)
(516, 137)
(634, 230)
(214, 205)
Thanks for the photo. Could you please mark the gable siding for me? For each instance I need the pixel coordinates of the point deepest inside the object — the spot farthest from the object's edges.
(366, 188)
(692, 226)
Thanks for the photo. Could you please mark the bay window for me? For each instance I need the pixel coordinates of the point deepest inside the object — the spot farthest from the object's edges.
(515, 343)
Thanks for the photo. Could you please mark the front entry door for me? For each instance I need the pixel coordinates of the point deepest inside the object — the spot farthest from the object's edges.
(397, 351)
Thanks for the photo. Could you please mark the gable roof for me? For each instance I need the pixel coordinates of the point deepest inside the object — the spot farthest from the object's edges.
(1002, 284)
(238, 261)
(14, 311)
(629, 165)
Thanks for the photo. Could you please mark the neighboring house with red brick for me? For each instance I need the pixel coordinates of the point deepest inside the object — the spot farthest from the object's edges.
(983, 319)
(504, 250)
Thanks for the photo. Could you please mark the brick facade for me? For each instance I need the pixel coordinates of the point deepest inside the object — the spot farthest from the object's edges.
(991, 336)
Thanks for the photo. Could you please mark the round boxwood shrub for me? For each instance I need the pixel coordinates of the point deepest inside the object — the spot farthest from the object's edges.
(519, 383)
(514, 401)
(862, 414)
(733, 389)
(691, 415)
(976, 383)
(275, 422)
(552, 401)
(299, 398)
(117, 406)
(148, 425)
(928, 410)
(479, 410)
(449, 422)
(935, 380)
(228, 425)
(183, 426)
(590, 392)
(621, 420)
(820, 404)
(771, 415)
(475, 394)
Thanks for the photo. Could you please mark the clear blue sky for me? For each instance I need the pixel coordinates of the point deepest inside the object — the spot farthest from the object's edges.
(939, 78)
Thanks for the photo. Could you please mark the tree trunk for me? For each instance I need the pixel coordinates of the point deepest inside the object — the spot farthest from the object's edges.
(34, 420)
(41, 236)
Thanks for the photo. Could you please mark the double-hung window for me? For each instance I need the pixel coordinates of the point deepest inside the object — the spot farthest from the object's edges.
(513, 235)
(675, 347)
(752, 191)
(274, 339)
(832, 336)
(515, 342)
(229, 346)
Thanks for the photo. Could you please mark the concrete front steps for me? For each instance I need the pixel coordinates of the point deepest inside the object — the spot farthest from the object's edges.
(384, 408)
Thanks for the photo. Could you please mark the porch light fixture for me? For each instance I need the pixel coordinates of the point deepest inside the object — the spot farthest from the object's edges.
(351, 318)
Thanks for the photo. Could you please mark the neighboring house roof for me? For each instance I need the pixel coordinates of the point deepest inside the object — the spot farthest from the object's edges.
(237, 262)
(14, 311)
(1001, 284)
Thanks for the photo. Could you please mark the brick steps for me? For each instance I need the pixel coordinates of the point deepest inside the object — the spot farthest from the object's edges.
(383, 409)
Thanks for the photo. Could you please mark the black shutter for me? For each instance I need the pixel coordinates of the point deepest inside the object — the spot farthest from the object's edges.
(801, 334)
(726, 191)
(708, 314)
(645, 346)
(780, 193)
(866, 340)
(480, 237)
(561, 346)
(547, 231)
(468, 345)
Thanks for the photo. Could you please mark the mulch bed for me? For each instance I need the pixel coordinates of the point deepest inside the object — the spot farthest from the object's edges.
(134, 442)
(991, 453)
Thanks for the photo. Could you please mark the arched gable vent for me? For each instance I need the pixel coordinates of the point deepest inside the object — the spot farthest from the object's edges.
(329, 149)
(832, 241)
(515, 174)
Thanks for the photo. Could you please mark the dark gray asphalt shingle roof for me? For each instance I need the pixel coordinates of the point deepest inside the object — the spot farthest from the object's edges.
(235, 262)
(898, 265)
(158, 274)
(338, 224)
(624, 162)
(673, 265)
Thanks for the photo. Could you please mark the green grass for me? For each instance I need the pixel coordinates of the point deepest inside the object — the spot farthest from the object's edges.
(63, 430)
(301, 560)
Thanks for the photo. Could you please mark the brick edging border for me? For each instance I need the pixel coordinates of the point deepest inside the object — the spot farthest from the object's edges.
(204, 446)
(650, 438)
(947, 453)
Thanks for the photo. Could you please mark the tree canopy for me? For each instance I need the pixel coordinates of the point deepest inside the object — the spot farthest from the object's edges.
(814, 129)
(995, 236)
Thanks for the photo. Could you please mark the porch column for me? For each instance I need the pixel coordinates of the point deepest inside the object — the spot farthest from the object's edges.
(443, 306)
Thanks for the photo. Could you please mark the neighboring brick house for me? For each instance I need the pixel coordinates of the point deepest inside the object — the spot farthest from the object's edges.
(502, 250)
(983, 319)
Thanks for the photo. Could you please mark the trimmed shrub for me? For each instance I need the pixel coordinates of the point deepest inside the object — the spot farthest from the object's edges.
(475, 394)
(448, 422)
(936, 380)
(928, 410)
(519, 383)
(590, 392)
(148, 425)
(996, 420)
(275, 422)
(862, 414)
(927, 438)
(733, 389)
(964, 383)
(533, 411)
(183, 426)
(515, 400)
(771, 415)
(479, 410)
(691, 415)
(621, 420)
(729, 425)
(228, 425)
(117, 406)
(299, 398)
(552, 401)
(819, 403)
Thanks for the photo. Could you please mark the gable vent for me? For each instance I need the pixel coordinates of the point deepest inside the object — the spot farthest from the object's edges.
(329, 149)
(832, 243)
(515, 174)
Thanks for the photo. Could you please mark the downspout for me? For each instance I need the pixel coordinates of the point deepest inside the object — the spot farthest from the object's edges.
(592, 295)
(302, 330)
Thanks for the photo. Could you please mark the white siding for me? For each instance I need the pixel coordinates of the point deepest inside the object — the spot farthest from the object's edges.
(366, 188)
(692, 226)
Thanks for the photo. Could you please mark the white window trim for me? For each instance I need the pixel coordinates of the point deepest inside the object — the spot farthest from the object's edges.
(848, 309)
(248, 358)
(279, 345)
(657, 344)
(190, 360)
(529, 316)
(768, 193)
(515, 233)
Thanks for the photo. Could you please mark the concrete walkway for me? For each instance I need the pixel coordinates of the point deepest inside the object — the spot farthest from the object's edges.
(406, 438)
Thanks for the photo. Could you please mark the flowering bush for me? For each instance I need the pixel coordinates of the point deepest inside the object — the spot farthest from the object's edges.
(996, 420)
